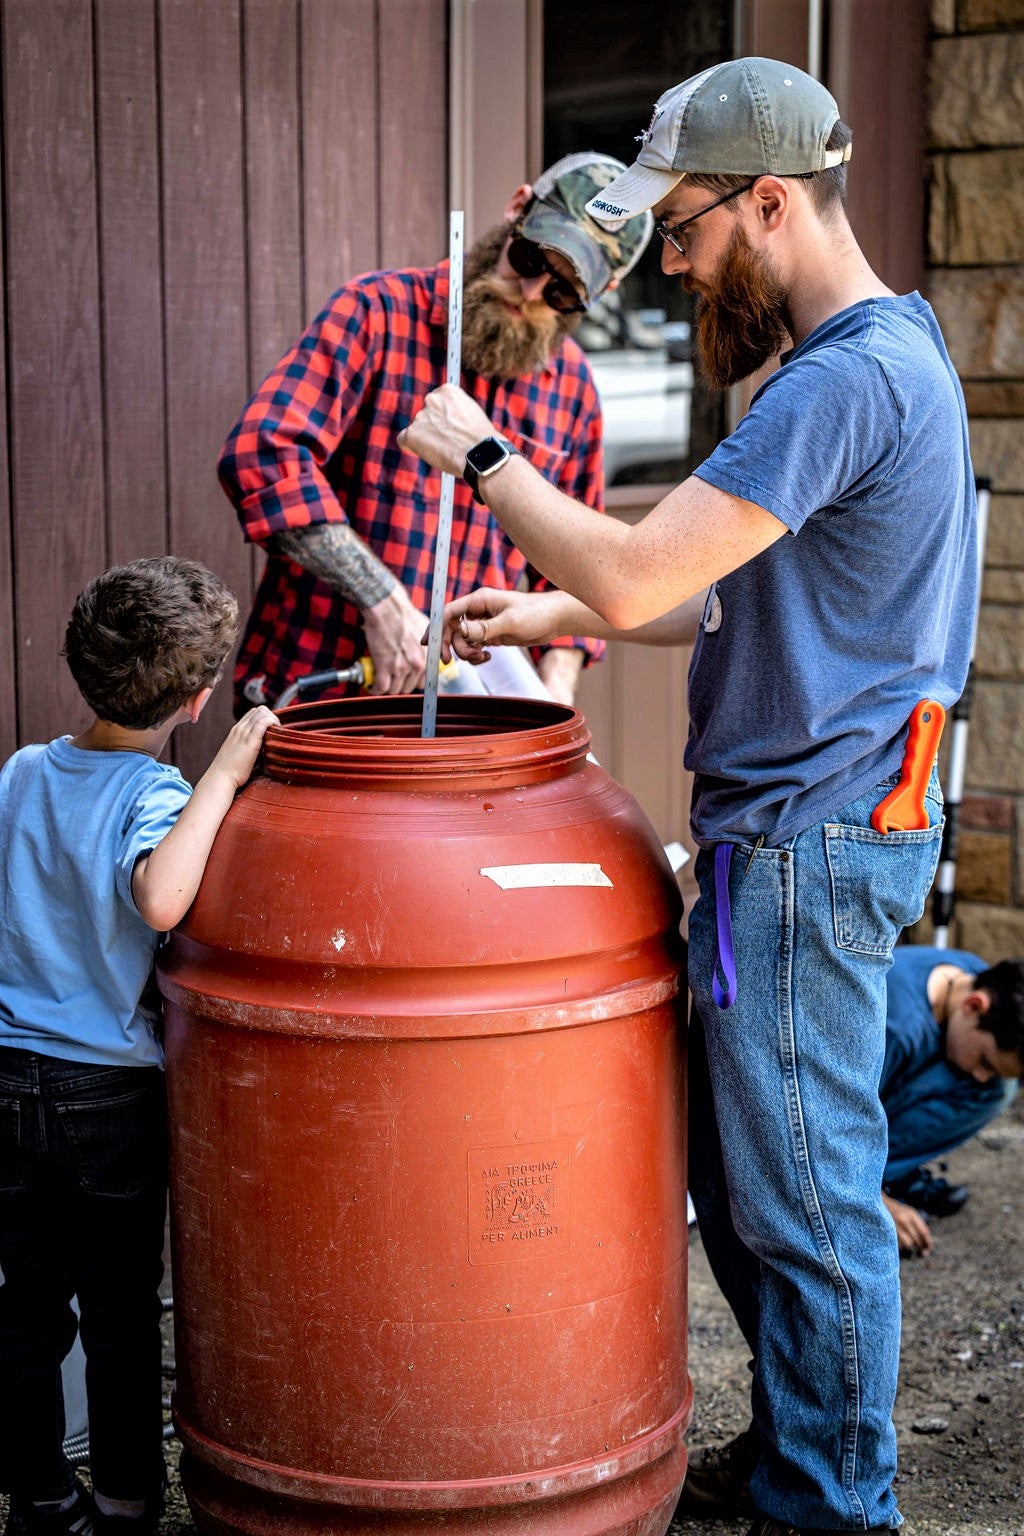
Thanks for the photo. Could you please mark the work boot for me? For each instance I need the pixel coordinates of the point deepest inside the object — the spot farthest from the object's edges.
(925, 1191)
(718, 1477)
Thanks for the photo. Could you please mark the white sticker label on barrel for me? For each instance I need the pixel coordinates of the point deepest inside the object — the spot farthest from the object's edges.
(522, 877)
(518, 1201)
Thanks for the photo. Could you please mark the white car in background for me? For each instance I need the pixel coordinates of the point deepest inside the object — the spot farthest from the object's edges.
(641, 367)
(645, 400)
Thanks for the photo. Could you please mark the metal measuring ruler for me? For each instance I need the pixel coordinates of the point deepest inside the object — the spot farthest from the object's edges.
(443, 545)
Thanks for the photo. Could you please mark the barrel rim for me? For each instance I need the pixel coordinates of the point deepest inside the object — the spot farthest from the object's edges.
(344, 739)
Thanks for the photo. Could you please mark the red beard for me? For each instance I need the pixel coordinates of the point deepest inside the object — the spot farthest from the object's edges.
(741, 321)
(496, 342)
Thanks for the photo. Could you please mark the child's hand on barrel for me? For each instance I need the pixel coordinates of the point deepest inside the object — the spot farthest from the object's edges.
(241, 747)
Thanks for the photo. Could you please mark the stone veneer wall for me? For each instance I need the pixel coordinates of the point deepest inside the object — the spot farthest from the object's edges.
(975, 244)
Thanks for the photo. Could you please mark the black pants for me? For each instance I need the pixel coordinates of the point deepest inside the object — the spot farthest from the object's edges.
(83, 1193)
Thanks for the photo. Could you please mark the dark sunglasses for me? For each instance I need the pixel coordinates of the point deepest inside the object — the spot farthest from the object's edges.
(528, 260)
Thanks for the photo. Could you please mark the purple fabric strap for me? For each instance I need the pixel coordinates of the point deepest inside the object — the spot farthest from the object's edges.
(726, 960)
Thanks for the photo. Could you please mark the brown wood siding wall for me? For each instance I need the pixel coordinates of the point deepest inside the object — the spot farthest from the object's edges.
(876, 71)
(184, 184)
(874, 65)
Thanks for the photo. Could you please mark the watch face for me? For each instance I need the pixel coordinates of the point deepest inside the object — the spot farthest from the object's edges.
(487, 455)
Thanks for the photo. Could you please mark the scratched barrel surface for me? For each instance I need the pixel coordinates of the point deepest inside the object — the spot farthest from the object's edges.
(429, 1227)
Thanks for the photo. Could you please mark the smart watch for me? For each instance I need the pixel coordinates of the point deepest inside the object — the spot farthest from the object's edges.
(483, 459)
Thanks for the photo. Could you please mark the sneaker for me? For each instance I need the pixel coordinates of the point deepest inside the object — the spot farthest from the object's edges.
(718, 1478)
(27, 1519)
(925, 1191)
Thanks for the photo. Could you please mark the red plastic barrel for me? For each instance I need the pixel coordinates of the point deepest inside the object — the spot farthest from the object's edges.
(429, 1229)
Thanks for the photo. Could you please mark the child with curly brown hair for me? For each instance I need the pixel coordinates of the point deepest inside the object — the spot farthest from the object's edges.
(102, 848)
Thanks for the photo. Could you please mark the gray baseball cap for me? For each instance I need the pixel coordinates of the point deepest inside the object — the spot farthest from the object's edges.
(747, 117)
(558, 219)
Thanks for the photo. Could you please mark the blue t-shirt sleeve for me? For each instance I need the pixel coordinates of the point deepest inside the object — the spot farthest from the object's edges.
(150, 814)
(821, 429)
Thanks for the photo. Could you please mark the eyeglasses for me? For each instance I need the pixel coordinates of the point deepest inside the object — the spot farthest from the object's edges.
(528, 260)
(669, 232)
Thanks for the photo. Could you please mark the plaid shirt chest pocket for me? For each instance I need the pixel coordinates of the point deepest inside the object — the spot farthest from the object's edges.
(546, 459)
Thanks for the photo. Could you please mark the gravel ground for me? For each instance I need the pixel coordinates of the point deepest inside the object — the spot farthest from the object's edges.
(960, 1410)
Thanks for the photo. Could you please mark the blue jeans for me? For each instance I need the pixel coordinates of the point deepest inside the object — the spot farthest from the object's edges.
(83, 1192)
(937, 1126)
(788, 1144)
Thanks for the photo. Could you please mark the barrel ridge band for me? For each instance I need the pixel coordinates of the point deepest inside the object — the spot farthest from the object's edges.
(461, 1493)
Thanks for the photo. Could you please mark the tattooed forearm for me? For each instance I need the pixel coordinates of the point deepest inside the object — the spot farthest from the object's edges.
(338, 556)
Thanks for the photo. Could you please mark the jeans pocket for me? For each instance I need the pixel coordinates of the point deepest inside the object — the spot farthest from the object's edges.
(13, 1162)
(880, 882)
(119, 1141)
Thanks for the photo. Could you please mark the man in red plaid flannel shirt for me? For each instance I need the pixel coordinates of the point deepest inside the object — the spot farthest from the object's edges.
(347, 520)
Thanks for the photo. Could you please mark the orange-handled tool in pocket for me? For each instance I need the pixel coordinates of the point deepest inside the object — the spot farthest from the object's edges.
(903, 809)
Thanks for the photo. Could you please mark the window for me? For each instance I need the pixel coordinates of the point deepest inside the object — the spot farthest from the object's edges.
(603, 70)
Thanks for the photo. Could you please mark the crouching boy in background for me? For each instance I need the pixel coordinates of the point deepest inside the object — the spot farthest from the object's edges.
(102, 848)
(954, 1050)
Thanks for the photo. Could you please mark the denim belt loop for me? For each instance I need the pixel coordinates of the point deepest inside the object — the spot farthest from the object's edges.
(725, 960)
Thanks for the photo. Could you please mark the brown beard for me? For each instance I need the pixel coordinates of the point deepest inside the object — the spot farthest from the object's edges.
(741, 323)
(494, 342)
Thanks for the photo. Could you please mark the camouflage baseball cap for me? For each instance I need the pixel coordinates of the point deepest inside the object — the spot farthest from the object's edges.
(557, 218)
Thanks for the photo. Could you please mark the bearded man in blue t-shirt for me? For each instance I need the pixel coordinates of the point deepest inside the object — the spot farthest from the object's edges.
(834, 532)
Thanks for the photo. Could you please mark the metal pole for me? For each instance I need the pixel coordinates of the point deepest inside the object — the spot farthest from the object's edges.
(945, 876)
(815, 30)
(443, 545)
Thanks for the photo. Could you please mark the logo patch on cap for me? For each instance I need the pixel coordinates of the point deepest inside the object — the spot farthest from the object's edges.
(645, 137)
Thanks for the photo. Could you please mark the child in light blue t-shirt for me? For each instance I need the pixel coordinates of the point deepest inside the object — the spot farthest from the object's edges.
(102, 848)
